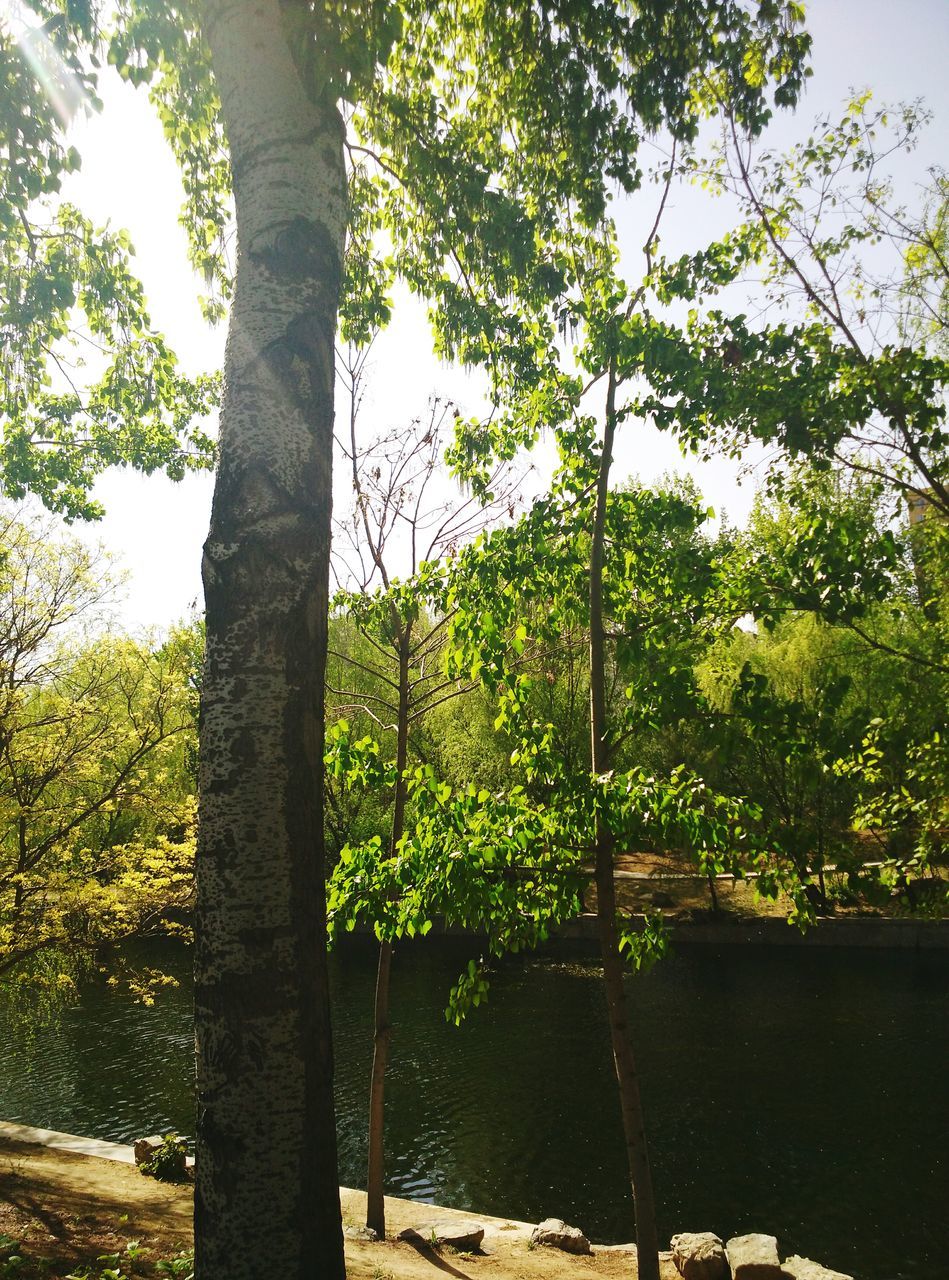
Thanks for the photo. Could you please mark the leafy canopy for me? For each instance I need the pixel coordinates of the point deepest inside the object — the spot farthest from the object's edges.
(87, 382)
(484, 142)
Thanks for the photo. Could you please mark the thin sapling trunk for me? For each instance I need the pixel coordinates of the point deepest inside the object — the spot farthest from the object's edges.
(624, 1061)
(382, 1038)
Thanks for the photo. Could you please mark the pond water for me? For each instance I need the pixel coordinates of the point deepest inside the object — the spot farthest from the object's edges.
(799, 1092)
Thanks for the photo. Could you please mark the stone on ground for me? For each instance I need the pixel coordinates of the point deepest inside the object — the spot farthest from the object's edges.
(754, 1257)
(804, 1269)
(464, 1234)
(145, 1148)
(368, 1234)
(555, 1233)
(699, 1255)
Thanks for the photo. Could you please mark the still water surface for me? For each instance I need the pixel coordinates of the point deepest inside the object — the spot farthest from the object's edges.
(799, 1092)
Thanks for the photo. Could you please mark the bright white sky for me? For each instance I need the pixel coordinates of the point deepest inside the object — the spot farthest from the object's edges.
(156, 528)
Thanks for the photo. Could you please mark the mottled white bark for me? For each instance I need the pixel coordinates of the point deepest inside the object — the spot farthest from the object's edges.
(267, 1188)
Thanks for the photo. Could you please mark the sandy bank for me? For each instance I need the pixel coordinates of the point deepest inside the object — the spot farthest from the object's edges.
(69, 1206)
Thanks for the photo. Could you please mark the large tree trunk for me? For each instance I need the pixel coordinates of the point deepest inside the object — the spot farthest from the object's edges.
(375, 1175)
(647, 1241)
(267, 1195)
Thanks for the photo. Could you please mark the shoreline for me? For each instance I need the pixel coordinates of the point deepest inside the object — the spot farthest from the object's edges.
(72, 1199)
(124, 1154)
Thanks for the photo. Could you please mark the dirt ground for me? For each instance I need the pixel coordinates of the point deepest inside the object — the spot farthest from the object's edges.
(72, 1209)
(68, 1210)
(668, 882)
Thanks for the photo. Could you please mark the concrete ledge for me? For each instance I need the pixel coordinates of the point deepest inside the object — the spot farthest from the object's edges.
(67, 1142)
(353, 1202)
(71, 1142)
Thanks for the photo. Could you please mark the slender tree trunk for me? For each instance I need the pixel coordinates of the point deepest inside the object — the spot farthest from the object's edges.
(820, 851)
(713, 892)
(21, 864)
(375, 1199)
(267, 1183)
(624, 1061)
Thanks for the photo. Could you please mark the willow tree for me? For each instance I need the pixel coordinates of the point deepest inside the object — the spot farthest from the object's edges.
(484, 139)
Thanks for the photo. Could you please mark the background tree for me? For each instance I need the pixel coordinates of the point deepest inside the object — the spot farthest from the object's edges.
(399, 518)
(95, 811)
(855, 375)
(651, 605)
(394, 552)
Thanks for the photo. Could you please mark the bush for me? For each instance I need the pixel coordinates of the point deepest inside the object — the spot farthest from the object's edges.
(168, 1164)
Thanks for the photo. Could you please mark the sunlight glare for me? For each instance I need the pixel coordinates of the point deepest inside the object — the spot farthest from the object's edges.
(62, 87)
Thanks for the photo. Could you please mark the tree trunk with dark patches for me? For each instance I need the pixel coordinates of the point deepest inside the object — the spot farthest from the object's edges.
(267, 1182)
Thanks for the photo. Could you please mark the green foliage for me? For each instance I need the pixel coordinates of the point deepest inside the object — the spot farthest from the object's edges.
(96, 808)
(926, 279)
(484, 861)
(668, 592)
(469, 991)
(488, 175)
(906, 809)
(512, 861)
(461, 742)
(157, 43)
(642, 948)
(781, 748)
(88, 383)
(168, 1162)
(118, 1266)
(856, 373)
(108, 1266)
(11, 1259)
(824, 715)
(182, 1265)
(818, 545)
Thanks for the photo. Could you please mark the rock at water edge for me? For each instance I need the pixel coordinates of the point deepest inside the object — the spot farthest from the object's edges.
(754, 1257)
(555, 1233)
(368, 1234)
(463, 1235)
(145, 1148)
(804, 1269)
(699, 1255)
